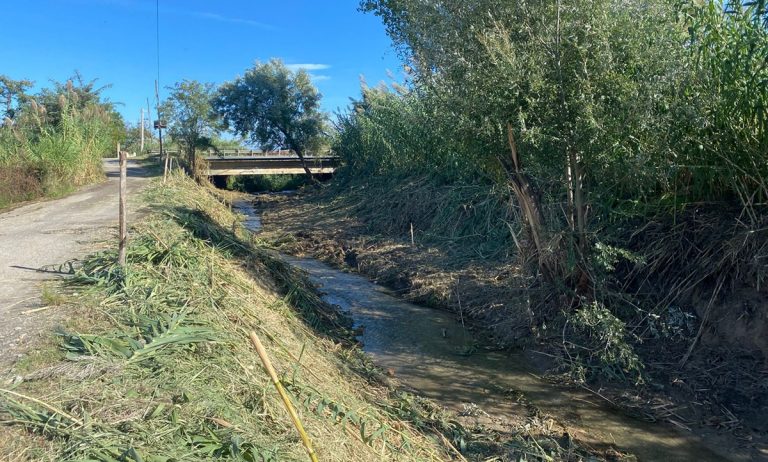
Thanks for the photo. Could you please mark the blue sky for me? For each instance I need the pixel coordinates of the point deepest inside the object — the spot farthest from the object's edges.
(210, 41)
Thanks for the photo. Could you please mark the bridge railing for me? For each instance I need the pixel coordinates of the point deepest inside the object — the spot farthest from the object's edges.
(245, 153)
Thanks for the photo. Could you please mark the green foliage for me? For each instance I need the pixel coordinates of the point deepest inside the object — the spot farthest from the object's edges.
(652, 100)
(56, 144)
(12, 91)
(265, 183)
(623, 114)
(274, 107)
(605, 349)
(581, 78)
(404, 134)
(132, 141)
(191, 121)
(606, 257)
(152, 335)
(728, 138)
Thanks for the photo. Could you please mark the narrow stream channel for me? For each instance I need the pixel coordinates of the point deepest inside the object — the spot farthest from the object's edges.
(427, 349)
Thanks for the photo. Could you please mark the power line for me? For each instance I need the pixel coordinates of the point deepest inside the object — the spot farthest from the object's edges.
(157, 94)
(157, 41)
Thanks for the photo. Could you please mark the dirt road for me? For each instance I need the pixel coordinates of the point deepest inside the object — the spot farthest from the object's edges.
(36, 238)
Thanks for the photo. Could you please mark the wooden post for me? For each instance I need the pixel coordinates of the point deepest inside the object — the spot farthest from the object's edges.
(141, 149)
(123, 225)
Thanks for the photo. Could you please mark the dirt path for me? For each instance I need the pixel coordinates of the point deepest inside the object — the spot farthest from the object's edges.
(37, 235)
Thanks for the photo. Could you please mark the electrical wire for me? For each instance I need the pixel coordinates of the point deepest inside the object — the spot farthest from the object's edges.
(157, 41)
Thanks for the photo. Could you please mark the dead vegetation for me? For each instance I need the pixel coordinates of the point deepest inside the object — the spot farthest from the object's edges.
(155, 364)
(719, 385)
(166, 371)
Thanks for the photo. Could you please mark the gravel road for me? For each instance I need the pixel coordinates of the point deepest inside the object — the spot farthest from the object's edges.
(36, 238)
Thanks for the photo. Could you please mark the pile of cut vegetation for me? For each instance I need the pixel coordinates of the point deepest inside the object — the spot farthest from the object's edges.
(156, 365)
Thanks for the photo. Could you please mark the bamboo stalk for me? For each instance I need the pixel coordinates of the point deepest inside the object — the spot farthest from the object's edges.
(286, 400)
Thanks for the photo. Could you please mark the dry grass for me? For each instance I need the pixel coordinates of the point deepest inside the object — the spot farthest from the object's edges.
(721, 386)
(444, 274)
(167, 372)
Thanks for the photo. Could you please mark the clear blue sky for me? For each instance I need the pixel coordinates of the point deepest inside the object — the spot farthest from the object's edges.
(210, 41)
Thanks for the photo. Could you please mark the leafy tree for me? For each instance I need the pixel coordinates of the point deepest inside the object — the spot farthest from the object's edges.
(11, 90)
(573, 99)
(133, 138)
(274, 107)
(75, 93)
(191, 122)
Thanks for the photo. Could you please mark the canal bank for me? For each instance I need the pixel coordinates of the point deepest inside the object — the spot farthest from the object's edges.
(426, 350)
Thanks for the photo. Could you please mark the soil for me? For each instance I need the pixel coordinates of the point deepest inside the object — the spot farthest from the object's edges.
(38, 241)
(490, 293)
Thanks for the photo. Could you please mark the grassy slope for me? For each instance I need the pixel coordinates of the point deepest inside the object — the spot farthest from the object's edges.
(158, 367)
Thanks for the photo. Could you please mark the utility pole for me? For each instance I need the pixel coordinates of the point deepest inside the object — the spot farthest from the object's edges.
(159, 126)
(141, 149)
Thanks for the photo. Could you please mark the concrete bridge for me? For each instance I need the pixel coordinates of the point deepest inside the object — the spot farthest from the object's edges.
(233, 162)
(223, 165)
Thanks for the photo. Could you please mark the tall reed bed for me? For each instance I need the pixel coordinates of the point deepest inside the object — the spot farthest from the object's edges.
(43, 156)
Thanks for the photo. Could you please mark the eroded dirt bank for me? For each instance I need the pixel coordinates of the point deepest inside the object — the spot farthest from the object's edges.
(477, 290)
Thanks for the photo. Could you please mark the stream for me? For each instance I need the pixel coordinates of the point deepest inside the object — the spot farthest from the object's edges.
(430, 351)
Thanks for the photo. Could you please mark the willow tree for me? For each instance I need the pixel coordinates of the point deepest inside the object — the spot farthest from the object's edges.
(273, 107)
(571, 97)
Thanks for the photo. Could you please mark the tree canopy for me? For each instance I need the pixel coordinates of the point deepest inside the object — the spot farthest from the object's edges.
(12, 90)
(273, 107)
(191, 121)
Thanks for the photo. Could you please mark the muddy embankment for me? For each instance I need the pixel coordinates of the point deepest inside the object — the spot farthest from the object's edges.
(477, 293)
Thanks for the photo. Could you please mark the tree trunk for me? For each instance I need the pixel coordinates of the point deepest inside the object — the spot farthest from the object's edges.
(529, 204)
(576, 192)
(191, 160)
(300, 153)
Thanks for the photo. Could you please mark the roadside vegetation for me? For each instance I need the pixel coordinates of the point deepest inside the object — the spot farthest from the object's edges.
(54, 141)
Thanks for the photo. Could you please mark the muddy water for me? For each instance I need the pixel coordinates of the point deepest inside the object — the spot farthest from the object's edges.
(431, 352)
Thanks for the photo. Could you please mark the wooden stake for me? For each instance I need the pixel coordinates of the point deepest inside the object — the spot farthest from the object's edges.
(141, 148)
(123, 225)
(413, 242)
(286, 400)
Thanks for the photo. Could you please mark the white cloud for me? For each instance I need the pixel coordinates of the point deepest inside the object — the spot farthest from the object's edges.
(308, 67)
(233, 20)
(150, 7)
